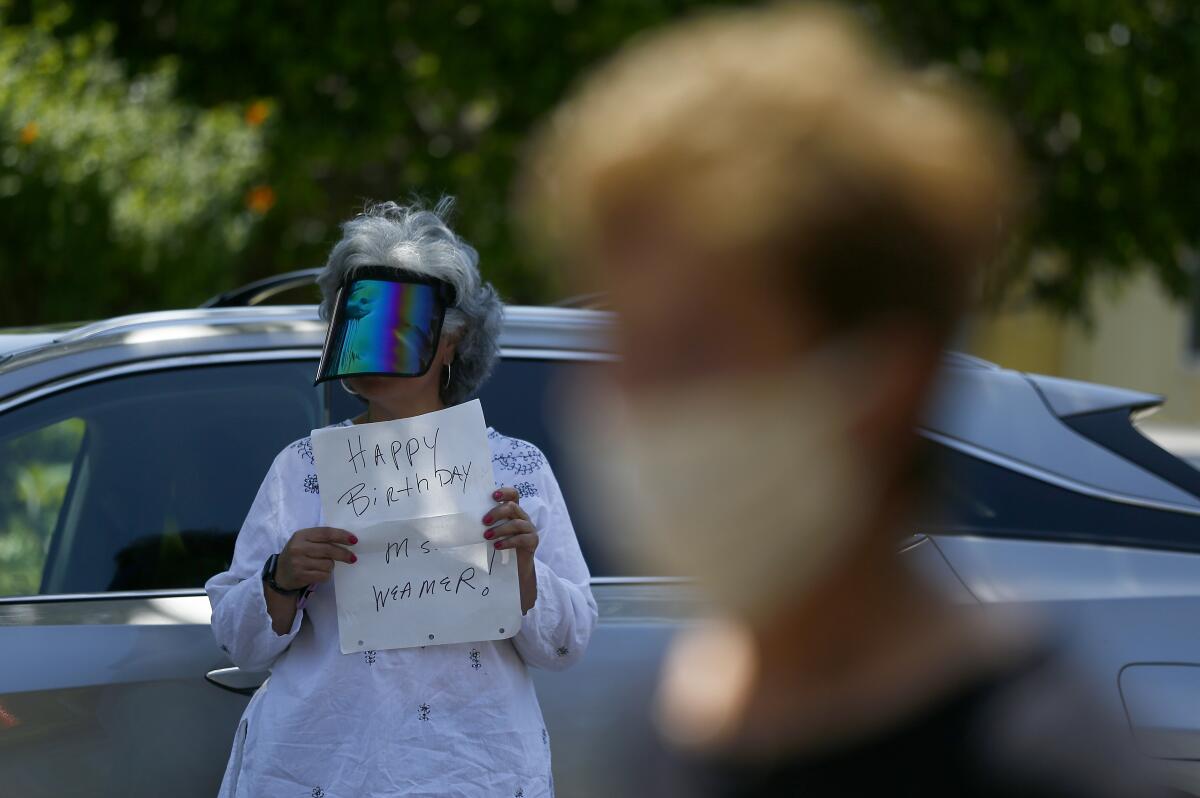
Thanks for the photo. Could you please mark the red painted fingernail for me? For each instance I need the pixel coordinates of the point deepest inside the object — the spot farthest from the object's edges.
(489, 534)
(353, 539)
(353, 558)
(496, 495)
(487, 519)
(499, 544)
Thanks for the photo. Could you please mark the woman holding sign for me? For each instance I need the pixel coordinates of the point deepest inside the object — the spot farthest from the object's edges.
(413, 330)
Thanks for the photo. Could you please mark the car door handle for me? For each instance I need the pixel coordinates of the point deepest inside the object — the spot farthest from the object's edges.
(1160, 699)
(237, 680)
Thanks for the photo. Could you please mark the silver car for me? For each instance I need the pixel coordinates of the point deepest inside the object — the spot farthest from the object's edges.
(130, 450)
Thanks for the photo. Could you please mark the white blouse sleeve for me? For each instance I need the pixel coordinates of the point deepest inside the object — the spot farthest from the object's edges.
(556, 630)
(240, 621)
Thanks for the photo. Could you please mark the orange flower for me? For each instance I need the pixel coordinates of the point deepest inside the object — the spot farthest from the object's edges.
(29, 133)
(257, 113)
(260, 199)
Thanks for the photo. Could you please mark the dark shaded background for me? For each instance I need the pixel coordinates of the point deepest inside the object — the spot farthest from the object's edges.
(267, 123)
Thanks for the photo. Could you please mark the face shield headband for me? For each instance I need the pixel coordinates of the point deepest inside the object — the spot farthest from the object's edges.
(385, 322)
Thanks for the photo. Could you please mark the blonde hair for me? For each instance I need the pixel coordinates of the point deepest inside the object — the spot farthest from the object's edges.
(785, 127)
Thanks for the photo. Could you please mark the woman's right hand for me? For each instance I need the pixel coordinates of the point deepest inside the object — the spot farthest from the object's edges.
(308, 557)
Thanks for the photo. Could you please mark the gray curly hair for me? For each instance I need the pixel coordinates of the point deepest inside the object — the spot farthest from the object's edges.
(418, 239)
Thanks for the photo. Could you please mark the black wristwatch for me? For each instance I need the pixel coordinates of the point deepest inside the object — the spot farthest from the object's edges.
(268, 575)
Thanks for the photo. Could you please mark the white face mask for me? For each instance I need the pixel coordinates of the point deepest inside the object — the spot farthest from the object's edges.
(752, 485)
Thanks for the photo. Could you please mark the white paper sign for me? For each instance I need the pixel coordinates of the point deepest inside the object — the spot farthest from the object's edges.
(414, 491)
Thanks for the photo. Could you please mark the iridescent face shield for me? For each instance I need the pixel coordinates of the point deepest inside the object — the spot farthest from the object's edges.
(385, 322)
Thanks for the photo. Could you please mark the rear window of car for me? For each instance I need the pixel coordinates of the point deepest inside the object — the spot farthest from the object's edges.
(974, 497)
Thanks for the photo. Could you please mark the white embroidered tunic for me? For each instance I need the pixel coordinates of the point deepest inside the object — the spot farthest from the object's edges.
(450, 720)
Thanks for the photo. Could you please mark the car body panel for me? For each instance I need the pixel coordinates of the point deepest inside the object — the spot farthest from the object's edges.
(1113, 609)
(101, 681)
(102, 698)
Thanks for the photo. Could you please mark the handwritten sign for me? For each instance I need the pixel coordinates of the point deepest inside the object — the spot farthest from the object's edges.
(414, 491)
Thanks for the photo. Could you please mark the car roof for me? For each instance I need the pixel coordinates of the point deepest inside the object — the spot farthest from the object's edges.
(29, 357)
(526, 326)
(523, 324)
(13, 339)
(33, 354)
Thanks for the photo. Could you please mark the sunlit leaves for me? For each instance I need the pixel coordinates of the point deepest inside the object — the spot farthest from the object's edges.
(111, 169)
(268, 123)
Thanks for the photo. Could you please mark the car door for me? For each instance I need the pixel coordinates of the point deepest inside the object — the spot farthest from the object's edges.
(1116, 579)
(121, 492)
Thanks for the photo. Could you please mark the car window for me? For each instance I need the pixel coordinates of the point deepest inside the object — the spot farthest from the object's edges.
(35, 469)
(145, 479)
(520, 400)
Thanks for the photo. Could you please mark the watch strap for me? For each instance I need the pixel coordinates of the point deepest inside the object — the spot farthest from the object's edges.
(269, 576)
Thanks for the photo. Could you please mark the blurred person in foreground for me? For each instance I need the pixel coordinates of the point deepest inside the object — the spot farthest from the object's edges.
(788, 224)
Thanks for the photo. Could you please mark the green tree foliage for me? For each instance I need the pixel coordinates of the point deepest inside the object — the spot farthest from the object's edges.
(394, 98)
(1100, 95)
(383, 100)
(35, 469)
(113, 194)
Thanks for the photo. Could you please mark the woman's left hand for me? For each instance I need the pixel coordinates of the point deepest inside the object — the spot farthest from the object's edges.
(511, 528)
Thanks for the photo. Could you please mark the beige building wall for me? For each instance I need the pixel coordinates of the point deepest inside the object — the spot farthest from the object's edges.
(1139, 340)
